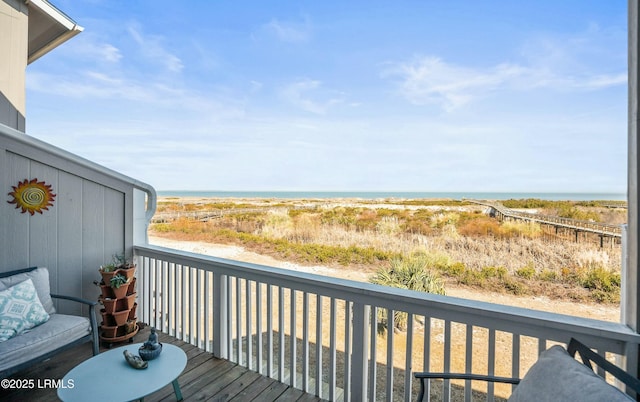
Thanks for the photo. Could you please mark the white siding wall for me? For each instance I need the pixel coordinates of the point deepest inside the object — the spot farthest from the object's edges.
(90, 221)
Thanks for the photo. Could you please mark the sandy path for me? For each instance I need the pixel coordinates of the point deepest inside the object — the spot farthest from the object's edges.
(589, 310)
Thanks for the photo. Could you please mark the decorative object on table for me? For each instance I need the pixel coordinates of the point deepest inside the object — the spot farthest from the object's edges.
(135, 361)
(119, 301)
(32, 196)
(151, 348)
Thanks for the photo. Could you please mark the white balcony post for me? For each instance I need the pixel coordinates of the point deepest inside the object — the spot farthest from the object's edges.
(631, 280)
(220, 320)
(360, 350)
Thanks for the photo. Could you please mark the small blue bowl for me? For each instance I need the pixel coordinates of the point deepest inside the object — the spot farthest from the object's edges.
(149, 354)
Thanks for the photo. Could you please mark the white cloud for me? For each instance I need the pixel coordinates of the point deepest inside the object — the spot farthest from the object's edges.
(585, 61)
(289, 31)
(110, 53)
(152, 48)
(604, 81)
(431, 80)
(301, 94)
(97, 86)
(89, 48)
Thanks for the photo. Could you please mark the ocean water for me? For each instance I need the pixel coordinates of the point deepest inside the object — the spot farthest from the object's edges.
(372, 195)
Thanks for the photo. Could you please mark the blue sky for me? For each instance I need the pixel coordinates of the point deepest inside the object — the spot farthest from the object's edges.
(342, 96)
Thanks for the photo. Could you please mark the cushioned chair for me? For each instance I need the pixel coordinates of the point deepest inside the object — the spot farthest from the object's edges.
(59, 332)
(556, 376)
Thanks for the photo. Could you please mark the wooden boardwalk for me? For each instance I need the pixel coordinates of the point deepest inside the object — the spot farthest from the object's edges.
(163, 217)
(602, 230)
(204, 379)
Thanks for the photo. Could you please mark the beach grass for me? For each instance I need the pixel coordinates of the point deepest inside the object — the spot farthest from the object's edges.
(461, 243)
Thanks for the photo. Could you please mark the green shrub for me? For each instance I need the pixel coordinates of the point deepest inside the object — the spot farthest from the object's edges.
(571, 212)
(456, 269)
(493, 272)
(410, 273)
(514, 287)
(526, 272)
(598, 278)
(548, 275)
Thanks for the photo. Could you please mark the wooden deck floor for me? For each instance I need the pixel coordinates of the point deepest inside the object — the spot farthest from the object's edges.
(204, 379)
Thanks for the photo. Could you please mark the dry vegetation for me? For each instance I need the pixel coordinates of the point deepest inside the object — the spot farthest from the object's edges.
(457, 241)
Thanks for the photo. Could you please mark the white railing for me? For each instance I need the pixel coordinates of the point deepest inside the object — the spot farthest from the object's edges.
(321, 334)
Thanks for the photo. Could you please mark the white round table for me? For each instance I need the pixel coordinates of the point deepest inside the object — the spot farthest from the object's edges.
(108, 377)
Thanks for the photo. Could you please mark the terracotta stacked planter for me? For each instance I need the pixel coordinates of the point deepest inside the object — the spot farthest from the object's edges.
(119, 312)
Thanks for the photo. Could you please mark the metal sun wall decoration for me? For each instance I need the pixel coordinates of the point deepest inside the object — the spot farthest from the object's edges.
(32, 196)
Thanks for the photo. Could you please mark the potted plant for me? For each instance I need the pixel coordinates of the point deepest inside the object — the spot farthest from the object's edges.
(109, 304)
(118, 298)
(124, 266)
(119, 264)
(107, 272)
(118, 287)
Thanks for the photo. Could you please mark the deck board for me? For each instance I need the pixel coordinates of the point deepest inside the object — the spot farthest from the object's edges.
(205, 378)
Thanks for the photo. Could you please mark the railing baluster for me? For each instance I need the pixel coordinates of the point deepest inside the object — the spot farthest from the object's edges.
(408, 367)
(360, 351)
(269, 331)
(332, 350)
(163, 286)
(542, 345)
(426, 364)
(238, 320)
(208, 312)
(515, 358)
(281, 345)
(145, 302)
(259, 356)
(165, 301)
(390, 332)
(491, 362)
(198, 295)
(229, 306)
(175, 300)
(446, 397)
(468, 362)
(347, 350)
(293, 371)
(193, 301)
(319, 321)
(184, 306)
(171, 298)
(219, 316)
(249, 324)
(599, 370)
(305, 341)
(157, 301)
(373, 365)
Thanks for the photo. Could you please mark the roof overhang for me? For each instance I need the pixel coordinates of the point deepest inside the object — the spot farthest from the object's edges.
(48, 28)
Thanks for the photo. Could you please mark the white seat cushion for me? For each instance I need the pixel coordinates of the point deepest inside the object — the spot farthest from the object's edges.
(60, 330)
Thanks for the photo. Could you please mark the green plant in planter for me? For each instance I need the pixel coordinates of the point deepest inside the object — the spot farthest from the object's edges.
(118, 280)
(108, 267)
(121, 262)
(118, 261)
